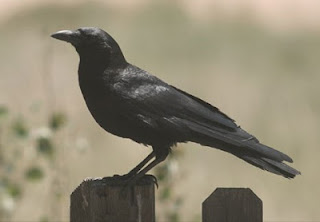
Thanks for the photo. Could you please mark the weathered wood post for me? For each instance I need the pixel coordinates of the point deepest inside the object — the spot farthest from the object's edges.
(104, 200)
(232, 205)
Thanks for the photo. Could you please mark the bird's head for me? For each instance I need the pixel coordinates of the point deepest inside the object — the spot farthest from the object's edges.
(92, 43)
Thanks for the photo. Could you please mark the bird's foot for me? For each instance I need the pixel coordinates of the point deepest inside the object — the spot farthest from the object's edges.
(132, 181)
(138, 179)
(124, 177)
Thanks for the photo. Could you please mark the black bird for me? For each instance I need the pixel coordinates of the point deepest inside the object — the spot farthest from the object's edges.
(131, 103)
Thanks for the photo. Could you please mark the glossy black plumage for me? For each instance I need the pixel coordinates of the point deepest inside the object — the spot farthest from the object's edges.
(131, 103)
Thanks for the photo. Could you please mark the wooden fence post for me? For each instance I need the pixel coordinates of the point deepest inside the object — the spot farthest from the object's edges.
(103, 200)
(232, 205)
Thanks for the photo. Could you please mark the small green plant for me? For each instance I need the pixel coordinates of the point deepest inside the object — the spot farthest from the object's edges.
(17, 136)
(34, 173)
(168, 201)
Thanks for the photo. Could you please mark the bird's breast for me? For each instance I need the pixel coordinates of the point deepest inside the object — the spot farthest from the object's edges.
(103, 105)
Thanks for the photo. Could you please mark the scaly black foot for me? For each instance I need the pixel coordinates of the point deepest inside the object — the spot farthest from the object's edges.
(124, 177)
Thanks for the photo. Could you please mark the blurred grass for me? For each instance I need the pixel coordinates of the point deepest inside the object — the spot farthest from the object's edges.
(266, 80)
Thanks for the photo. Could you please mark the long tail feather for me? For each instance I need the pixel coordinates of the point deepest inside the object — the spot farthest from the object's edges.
(245, 146)
(272, 166)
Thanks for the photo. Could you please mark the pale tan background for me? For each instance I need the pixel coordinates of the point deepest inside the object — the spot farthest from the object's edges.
(258, 61)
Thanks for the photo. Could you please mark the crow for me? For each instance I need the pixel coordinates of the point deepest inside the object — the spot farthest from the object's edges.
(129, 102)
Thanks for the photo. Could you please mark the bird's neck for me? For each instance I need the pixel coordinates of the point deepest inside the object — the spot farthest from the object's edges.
(96, 63)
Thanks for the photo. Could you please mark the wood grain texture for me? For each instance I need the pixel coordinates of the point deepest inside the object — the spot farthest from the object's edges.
(103, 200)
(232, 205)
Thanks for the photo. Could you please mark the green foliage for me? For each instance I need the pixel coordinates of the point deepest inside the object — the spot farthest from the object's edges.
(173, 217)
(34, 173)
(44, 219)
(45, 146)
(14, 190)
(168, 200)
(13, 174)
(19, 128)
(57, 120)
(162, 173)
(165, 193)
(3, 111)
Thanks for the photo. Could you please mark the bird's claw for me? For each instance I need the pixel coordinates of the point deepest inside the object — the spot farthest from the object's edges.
(154, 180)
(130, 180)
(125, 177)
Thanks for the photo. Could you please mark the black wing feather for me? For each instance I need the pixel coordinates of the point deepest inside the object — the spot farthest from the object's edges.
(196, 120)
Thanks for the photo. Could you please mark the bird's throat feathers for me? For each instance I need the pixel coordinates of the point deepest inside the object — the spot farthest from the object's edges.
(99, 61)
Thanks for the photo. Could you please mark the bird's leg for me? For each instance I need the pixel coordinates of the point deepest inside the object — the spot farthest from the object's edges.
(135, 170)
(159, 157)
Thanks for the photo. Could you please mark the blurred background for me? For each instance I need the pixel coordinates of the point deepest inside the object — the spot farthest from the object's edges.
(258, 61)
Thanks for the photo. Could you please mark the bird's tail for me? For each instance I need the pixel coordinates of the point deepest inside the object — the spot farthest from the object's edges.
(270, 165)
(276, 166)
(249, 150)
(263, 160)
(243, 145)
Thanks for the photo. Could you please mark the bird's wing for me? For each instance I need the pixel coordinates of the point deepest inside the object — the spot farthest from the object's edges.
(157, 99)
(164, 107)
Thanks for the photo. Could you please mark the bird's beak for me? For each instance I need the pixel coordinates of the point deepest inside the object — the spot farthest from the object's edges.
(67, 35)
